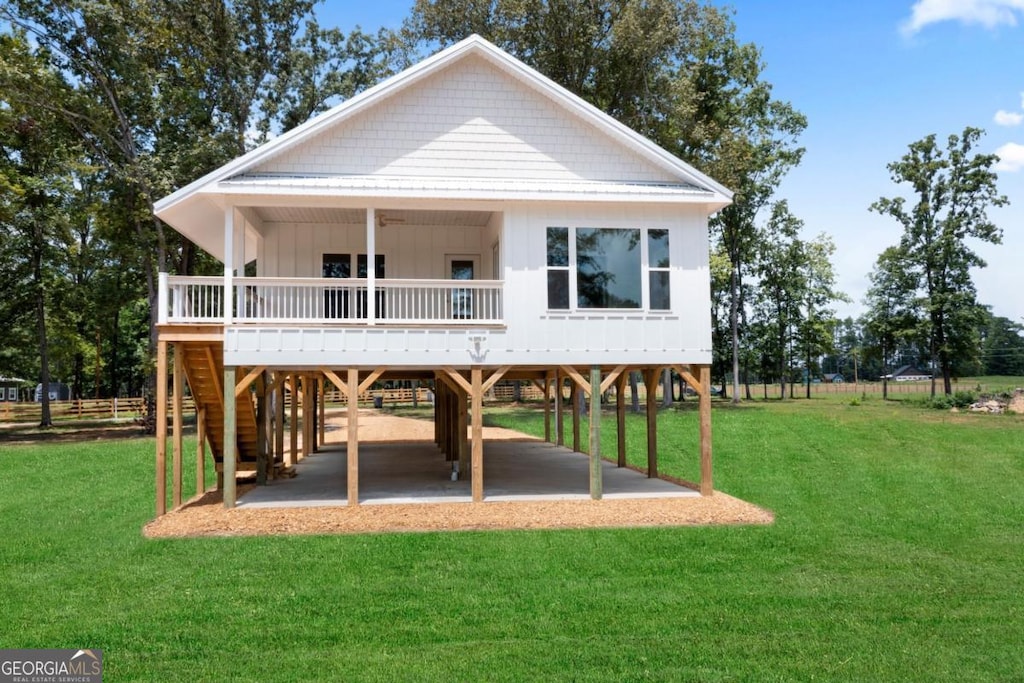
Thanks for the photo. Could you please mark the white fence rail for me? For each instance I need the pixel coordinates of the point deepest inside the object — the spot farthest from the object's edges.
(329, 301)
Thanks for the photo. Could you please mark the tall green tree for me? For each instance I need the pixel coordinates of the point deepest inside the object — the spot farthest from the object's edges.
(816, 328)
(952, 190)
(37, 156)
(159, 93)
(891, 316)
(1002, 346)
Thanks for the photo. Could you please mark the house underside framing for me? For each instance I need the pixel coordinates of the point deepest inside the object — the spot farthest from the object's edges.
(240, 412)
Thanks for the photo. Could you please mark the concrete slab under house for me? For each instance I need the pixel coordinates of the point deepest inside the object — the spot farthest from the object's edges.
(464, 222)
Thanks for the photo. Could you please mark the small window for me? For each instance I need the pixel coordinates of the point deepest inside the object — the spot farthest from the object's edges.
(658, 270)
(558, 268)
(12, 393)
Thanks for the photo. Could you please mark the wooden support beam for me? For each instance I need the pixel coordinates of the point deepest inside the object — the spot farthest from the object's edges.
(620, 417)
(574, 398)
(248, 379)
(610, 379)
(161, 428)
(262, 457)
(706, 486)
(336, 381)
(577, 378)
(651, 380)
(322, 412)
(230, 437)
(352, 451)
(495, 377)
(448, 382)
(559, 409)
(688, 377)
(370, 379)
(293, 429)
(307, 416)
(596, 484)
(200, 451)
(546, 391)
(477, 399)
(211, 368)
(460, 443)
(279, 417)
(459, 380)
(177, 407)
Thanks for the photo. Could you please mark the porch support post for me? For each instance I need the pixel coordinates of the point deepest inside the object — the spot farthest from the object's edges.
(596, 485)
(230, 436)
(651, 385)
(477, 399)
(547, 406)
(574, 397)
(706, 487)
(323, 410)
(620, 416)
(229, 263)
(279, 417)
(460, 443)
(161, 428)
(200, 451)
(371, 262)
(176, 421)
(262, 464)
(307, 416)
(293, 428)
(352, 451)
(559, 409)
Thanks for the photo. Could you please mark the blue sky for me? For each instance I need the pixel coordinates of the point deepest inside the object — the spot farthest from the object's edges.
(872, 77)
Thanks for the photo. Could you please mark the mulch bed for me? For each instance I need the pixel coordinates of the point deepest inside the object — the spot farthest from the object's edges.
(206, 516)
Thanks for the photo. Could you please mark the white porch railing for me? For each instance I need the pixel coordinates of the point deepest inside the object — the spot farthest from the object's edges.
(330, 301)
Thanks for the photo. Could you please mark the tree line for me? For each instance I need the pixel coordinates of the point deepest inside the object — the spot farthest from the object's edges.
(105, 106)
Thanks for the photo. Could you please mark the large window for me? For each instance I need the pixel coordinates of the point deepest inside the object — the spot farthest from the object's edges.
(605, 268)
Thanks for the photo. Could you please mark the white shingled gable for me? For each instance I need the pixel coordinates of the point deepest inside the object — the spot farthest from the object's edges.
(469, 120)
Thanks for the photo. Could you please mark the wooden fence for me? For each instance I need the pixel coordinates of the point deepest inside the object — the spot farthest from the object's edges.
(79, 409)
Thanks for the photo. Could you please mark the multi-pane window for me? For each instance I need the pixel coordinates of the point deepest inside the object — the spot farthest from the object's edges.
(558, 267)
(604, 268)
(658, 270)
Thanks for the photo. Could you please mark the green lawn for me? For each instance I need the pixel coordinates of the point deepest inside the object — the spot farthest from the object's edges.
(897, 554)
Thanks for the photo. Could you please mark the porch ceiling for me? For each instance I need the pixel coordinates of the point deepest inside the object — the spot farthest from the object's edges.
(385, 217)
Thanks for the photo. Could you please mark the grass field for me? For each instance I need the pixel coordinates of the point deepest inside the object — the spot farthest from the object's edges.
(897, 554)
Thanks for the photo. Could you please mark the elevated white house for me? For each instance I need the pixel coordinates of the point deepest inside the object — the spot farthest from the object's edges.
(465, 221)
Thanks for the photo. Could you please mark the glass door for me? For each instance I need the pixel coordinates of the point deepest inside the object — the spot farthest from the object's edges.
(462, 268)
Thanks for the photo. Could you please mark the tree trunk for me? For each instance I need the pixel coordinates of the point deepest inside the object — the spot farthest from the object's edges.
(46, 419)
(808, 366)
(666, 388)
(734, 327)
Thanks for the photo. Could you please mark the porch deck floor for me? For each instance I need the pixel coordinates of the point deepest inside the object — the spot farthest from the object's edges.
(416, 472)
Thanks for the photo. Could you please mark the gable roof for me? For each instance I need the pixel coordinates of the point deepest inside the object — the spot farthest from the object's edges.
(244, 175)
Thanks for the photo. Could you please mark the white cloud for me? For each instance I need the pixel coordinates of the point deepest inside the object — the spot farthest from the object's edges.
(1008, 118)
(988, 13)
(1011, 157)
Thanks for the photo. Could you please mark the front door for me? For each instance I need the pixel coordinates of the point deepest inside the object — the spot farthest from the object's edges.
(462, 268)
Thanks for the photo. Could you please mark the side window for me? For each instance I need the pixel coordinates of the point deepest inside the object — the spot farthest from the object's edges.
(658, 270)
(558, 268)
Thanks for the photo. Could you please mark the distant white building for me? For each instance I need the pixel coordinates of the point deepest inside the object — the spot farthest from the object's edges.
(908, 373)
(464, 221)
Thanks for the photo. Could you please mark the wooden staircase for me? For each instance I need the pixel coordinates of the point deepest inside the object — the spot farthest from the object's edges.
(204, 368)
